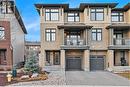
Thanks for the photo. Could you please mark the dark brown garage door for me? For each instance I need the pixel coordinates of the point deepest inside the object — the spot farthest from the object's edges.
(97, 63)
(73, 63)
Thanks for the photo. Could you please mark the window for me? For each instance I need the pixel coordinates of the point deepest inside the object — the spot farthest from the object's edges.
(55, 55)
(50, 34)
(9, 9)
(97, 14)
(51, 14)
(73, 38)
(97, 34)
(73, 17)
(2, 8)
(2, 33)
(48, 57)
(117, 16)
(5, 7)
(2, 57)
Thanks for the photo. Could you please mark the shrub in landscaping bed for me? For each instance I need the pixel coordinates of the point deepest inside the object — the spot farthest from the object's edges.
(31, 64)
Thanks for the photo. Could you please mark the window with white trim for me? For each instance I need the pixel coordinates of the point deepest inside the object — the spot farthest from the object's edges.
(51, 14)
(50, 35)
(97, 34)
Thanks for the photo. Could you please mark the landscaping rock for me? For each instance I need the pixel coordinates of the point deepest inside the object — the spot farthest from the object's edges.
(24, 77)
(34, 75)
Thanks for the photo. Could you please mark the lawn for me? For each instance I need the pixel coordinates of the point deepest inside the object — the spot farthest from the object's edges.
(125, 74)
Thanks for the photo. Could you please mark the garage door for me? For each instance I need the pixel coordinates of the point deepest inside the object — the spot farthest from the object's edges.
(73, 63)
(97, 63)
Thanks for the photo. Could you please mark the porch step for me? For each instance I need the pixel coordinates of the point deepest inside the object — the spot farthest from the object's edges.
(52, 68)
(121, 68)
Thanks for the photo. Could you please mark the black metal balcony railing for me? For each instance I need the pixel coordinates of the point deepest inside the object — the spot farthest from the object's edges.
(121, 41)
(74, 42)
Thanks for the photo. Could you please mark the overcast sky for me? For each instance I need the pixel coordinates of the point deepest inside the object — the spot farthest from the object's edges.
(31, 17)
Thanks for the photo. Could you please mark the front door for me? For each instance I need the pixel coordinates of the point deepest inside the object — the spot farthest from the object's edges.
(56, 58)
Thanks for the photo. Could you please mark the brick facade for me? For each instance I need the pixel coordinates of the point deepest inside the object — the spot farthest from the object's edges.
(6, 45)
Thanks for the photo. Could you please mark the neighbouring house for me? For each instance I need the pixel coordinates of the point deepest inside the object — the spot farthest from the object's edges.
(12, 35)
(94, 36)
(32, 47)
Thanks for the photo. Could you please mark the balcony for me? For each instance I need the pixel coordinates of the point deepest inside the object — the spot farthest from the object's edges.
(74, 44)
(121, 43)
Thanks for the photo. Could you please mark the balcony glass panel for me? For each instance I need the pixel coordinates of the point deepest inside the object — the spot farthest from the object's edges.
(121, 41)
(74, 42)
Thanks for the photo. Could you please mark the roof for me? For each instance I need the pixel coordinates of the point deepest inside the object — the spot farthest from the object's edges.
(38, 6)
(83, 5)
(32, 43)
(118, 9)
(127, 6)
(74, 26)
(73, 9)
(119, 25)
(18, 16)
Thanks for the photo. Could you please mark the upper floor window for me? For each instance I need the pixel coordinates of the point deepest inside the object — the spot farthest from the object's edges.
(2, 8)
(5, 8)
(117, 16)
(73, 17)
(51, 14)
(97, 34)
(2, 33)
(97, 14)
(50, 34)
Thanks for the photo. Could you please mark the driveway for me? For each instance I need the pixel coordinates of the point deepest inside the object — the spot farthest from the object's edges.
(79, 78)
(97, 78)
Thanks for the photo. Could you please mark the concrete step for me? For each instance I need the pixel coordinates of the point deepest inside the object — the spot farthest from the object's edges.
(51, 68)
(121, 68)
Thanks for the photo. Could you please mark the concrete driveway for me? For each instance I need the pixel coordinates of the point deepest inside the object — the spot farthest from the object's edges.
(98, 78)
(89, 79)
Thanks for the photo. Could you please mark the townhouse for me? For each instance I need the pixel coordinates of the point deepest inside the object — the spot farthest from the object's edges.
(95, 36)
(12, 35)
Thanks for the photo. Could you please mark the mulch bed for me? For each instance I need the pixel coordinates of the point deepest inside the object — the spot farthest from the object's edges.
(4, 82)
